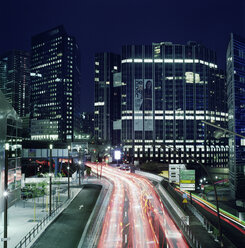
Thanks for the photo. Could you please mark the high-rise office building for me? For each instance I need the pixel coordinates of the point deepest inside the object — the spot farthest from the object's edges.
(104, 103)
(87, 123)
(167, 90)
(14, 80)
(236, 113)
(55, 86)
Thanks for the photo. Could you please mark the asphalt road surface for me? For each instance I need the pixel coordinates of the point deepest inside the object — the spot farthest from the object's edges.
(67, 229)
(135, 216)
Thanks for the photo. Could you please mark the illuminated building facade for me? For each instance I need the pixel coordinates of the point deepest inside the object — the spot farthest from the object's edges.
(236, 113)
(55, 86)
(167, 90)
(106, 64)
(14, 80)
(10, 133)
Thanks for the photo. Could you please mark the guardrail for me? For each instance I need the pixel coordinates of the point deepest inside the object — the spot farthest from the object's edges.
(182, 218)
(37, 228)
(150, 176)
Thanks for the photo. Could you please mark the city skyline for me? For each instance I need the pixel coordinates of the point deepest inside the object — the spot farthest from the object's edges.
(105, 27)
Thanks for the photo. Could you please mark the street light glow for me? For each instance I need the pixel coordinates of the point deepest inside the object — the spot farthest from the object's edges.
(51, 146)
(7, 146)
(5, 193)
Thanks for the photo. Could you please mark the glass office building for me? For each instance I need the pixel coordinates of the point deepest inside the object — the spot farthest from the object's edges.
(55, 86)
(10, 132)
(14, 80)
(106, 97)
(236, 113)
(167, 90)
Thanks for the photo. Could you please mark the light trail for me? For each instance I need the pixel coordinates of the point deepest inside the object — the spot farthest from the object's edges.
(230, 219)
(147, 223)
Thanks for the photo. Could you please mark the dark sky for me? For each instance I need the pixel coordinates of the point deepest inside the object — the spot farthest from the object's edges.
(101, 26)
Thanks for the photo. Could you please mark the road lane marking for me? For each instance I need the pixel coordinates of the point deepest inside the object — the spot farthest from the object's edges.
(80, 207)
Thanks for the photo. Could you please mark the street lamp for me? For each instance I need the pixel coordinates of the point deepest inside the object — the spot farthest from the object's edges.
(215, 191)
(5, 195)
(79, 176)
(69, 148)
(218, 135)
(50, 179)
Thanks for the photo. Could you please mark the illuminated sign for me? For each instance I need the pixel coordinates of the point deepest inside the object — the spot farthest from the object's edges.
(117, 155)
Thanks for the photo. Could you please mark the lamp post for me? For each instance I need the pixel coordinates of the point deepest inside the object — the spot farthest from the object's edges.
(50, 179)
(79, 176)
(69, 148)
(218, 135)
(215, 191)
(5, 195)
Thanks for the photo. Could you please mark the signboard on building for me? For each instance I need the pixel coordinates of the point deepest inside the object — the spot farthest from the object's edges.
(143, 104)
(187, 180)
(138, 101)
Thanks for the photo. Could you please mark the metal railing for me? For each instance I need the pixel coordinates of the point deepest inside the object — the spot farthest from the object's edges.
(37, 228)
(191, 236)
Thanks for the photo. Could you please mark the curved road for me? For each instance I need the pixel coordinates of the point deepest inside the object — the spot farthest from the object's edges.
(135, 216)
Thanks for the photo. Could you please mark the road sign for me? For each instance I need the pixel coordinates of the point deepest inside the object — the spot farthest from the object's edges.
(187, 180)
(184, 196)
(174, 170)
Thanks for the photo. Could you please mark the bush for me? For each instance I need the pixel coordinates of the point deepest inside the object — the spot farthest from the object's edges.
(153, 167)
(33, 190)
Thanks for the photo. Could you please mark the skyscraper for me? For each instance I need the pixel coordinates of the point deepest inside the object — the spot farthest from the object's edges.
(55, 87)
(167, 90)
(104, 103)
(87, 123)
(236, 113)
(14, 80)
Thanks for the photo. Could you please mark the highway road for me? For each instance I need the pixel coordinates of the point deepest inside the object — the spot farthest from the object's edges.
(135, 216)
(67, 229)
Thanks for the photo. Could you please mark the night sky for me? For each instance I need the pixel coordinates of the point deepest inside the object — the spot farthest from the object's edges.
(104, 26)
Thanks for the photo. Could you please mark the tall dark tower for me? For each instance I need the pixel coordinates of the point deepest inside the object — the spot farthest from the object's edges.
(55, 87)
(235, 58)
(14, 80)
(106, 64)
